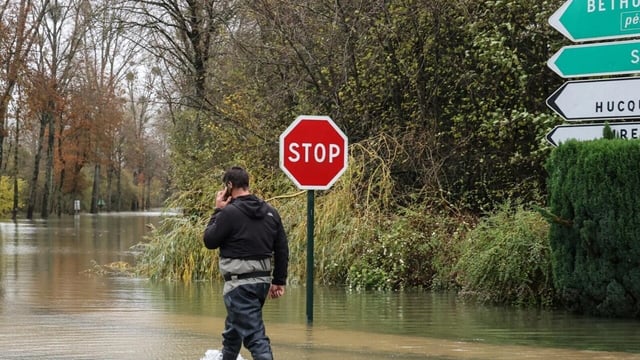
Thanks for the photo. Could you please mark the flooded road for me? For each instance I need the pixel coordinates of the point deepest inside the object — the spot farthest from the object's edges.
(50, 308)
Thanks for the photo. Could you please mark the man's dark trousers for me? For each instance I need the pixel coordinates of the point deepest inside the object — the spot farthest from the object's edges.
(244, 322)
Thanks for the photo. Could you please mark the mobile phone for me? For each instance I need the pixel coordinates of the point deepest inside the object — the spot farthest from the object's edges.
(227, 192)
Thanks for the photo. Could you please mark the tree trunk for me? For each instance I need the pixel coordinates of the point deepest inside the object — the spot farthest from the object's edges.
(119, 188)
(16, 190)
(48, 183)
(59, 200)
(109, 197)
(36, 167)
(147, 203)
(95, 190)
(3, 129)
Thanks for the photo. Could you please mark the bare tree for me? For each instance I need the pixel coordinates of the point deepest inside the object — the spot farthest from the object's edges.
(186, 36)
(108, 56)
(140, 105)
(61, 37)
(19, 22)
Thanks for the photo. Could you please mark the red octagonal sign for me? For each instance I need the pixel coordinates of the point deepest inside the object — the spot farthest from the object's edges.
(313, 152)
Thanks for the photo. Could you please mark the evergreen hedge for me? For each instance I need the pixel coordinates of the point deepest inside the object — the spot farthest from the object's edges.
(594, 194)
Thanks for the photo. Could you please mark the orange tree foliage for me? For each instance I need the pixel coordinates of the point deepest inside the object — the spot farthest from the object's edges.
(90, 126)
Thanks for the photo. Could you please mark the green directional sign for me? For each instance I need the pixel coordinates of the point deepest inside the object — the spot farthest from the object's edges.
(609, 58)
(584, 20)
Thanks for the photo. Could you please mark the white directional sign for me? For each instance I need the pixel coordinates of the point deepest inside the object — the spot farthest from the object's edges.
(562, 133)
(597, 99)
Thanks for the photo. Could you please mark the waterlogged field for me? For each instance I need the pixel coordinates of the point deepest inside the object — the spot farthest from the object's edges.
(50, 307)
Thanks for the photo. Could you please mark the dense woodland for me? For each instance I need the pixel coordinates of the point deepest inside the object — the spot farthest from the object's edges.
(443, 102)
(80, 119)
(95, 93)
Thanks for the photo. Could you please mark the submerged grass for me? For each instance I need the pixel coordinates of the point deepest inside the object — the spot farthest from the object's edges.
(365, 239)
(176, 252)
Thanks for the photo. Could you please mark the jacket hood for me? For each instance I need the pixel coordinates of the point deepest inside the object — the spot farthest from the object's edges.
(251, 206)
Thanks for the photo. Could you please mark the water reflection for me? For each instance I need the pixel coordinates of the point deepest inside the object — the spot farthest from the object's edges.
(50, 308)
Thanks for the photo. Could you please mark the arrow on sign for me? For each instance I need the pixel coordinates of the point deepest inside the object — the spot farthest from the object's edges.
(622, 57)
(597, 99)
(585, 20)
(562, 133)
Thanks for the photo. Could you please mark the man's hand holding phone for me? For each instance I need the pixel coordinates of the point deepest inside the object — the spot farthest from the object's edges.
(223, 197)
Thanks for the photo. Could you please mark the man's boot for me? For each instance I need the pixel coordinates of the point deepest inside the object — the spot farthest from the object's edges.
(228, 356)
(265, 356)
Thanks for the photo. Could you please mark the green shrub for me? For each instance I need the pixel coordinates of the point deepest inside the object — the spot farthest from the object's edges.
(594, 192)
(506, 259)
(398, 256)
(414, 249)
(6, 194)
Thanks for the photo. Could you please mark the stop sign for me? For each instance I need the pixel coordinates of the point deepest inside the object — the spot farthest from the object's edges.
(313, 152)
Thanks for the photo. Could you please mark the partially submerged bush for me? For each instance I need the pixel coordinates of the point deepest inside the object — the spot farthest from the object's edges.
(506, 259)
(413, 249)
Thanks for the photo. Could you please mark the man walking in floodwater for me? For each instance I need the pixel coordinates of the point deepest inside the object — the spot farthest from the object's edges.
(254, 257)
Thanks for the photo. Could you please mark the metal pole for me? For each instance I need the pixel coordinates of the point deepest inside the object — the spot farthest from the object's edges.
(310, 221)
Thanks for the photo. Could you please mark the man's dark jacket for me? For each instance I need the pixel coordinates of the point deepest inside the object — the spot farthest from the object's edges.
(248, 228)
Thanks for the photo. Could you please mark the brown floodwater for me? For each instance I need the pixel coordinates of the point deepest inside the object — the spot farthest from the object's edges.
(50, 308)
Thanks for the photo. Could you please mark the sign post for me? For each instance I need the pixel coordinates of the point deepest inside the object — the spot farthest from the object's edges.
(313, 154)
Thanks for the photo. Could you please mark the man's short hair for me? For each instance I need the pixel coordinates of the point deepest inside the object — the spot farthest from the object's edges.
(237, 176)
